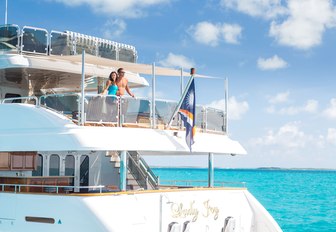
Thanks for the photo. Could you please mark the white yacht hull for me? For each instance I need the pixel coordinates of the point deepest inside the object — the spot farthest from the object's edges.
(159, 210)
(45, 157)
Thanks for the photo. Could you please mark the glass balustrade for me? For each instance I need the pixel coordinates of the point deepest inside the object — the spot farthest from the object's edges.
(34, 40)
(39, 41)
(9, 37)
(125, 111)
(60, 44)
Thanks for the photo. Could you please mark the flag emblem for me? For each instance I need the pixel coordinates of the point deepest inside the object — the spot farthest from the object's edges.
(187, 112)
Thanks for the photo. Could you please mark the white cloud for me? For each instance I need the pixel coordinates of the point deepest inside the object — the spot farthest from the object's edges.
(279, 98)
(330, 112)
(205, 33)
(211, 34)
(331, 135)
(113, 28)
(290, 139)
(231, 33)
(311, 106)
(147, 93)
(120, 8)
(299, 23)
(288, 136)
(270, 109)
(264, 8)
(291, 110)
(272, 63)
(305, 24)
(236, 109)
(177, 61)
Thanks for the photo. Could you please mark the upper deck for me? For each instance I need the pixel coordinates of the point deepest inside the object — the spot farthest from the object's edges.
(51, 61)
(38, 41)
(99, 110)
(53, 80)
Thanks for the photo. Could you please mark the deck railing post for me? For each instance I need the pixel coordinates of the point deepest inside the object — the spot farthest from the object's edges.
(147, 182)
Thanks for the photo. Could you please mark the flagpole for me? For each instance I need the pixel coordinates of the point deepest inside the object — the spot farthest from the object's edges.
(6, 13)
(192, 72)
(181, 81)
(182, 89)
(226, 106)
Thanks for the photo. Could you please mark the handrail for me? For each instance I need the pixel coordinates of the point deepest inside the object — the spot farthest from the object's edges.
(150, 172)
(146, 171)
(2, 101)
(55, 189)
(56, 95)
(141, 177)
(67, 188)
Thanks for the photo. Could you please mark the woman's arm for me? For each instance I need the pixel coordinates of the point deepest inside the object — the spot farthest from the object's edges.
(108, 83)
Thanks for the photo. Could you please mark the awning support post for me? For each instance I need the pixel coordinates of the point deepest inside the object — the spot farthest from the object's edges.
(82, 109)
(153, 97)
(123, 170)
(211, 170)
(226, 86)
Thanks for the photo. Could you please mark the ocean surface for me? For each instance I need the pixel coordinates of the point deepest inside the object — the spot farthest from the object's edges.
(299, 200)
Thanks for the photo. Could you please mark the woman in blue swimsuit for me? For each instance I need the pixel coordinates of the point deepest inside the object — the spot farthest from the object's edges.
(111, 87)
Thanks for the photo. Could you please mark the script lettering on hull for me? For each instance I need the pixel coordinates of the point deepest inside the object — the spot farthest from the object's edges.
(194, 211)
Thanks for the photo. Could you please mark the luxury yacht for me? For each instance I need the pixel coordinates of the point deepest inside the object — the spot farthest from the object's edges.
(71, 159)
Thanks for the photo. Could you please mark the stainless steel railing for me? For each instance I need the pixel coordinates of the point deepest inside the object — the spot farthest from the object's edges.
(55, 189)
(28, 100)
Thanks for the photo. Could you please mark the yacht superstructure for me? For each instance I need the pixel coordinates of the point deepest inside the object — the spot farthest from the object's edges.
(72, 160)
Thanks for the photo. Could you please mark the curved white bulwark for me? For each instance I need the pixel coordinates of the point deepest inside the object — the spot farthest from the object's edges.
(193, 210)
(26, 127)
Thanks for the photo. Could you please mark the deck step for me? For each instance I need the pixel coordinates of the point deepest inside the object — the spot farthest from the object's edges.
(114, 158)
(116, 165)
(112, 153)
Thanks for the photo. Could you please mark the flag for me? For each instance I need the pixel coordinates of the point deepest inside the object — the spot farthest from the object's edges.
(187, 112)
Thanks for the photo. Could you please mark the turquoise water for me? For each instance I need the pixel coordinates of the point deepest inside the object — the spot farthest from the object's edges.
(299, 200)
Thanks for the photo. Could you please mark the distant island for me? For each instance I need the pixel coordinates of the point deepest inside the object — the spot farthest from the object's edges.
(257, 168)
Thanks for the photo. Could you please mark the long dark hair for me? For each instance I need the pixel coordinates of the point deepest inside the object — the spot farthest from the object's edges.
(110, 77)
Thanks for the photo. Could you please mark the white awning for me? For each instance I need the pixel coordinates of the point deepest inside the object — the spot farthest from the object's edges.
(144, 69)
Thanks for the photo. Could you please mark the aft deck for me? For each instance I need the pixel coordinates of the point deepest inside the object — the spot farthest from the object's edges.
(113, 111)
(63, 185)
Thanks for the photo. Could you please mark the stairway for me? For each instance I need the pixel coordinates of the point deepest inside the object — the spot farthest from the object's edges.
(139, 174)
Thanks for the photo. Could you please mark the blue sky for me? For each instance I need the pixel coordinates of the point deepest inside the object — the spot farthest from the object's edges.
(278, 57)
